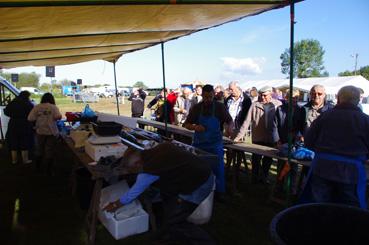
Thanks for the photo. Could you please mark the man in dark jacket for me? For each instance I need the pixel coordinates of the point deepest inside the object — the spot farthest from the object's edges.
(238, 105)
(184, 181)
(281, 130)
(340, 139)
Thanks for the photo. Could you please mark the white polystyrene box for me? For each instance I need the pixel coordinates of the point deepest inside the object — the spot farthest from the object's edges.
(119, 229)
(202, 214)
(98, 151)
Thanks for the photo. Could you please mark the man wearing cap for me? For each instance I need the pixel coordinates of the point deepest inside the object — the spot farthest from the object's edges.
(260, 116)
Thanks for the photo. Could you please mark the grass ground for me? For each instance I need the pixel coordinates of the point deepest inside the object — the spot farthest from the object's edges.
(36, 209)
(39, 209)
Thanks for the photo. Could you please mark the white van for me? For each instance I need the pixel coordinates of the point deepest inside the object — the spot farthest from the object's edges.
(32, 90)
(7, 93)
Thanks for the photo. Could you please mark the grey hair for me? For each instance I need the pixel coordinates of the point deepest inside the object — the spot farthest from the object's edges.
(186, 89)
(220, 87)
(317, 86)
(233, 83)
(349, 94)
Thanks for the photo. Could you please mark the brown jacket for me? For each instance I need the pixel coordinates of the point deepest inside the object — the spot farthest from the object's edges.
(261, 126)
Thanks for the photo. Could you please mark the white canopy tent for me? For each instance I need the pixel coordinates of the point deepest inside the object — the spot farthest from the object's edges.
(331, 84)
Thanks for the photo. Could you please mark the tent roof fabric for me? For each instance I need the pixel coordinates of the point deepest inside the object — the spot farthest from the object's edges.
(331, 84)
(65, 32)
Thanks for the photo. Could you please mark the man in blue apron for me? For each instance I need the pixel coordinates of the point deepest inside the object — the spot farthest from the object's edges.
(340, 139)
(206, 119)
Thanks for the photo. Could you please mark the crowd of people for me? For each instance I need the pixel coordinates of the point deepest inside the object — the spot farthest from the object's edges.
(338, 134)
(214, 112)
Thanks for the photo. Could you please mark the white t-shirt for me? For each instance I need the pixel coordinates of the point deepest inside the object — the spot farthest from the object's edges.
(45, 115)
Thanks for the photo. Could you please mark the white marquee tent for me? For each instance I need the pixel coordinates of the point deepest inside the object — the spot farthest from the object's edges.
(331, 84)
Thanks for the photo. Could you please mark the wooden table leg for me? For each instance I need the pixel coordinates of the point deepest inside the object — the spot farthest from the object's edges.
(91, 218)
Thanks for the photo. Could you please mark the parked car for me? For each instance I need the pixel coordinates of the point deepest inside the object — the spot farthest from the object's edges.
(7, 93)
(32, 90)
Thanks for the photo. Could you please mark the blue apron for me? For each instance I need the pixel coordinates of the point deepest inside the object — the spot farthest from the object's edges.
(211, 140)
(358, 162)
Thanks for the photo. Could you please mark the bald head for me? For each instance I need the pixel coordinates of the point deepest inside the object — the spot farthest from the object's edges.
(348, 95)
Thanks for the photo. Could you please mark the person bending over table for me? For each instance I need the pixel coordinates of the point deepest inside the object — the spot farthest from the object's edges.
(206, 119)
(184, 181)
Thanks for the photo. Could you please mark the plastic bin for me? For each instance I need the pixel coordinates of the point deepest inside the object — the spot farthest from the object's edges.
(84, 187)
(203, 212)
(320, 223)
(119, 229)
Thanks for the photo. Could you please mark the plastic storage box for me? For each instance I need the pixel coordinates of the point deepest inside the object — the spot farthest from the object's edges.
(119, 229)
(98, 151)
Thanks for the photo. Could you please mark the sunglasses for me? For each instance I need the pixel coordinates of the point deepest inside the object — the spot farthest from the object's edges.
(319, 94)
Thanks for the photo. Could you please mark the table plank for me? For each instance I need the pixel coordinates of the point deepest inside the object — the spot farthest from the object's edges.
(263, 150)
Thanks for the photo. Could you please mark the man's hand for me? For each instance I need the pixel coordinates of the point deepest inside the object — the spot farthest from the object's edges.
(199, 128)
(237, 139)
(113, 206)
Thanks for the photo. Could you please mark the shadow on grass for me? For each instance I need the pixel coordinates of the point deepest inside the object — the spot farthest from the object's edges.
(40, 209)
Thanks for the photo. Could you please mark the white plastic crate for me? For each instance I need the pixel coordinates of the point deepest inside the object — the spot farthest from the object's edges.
(119, 229)
(98, 151)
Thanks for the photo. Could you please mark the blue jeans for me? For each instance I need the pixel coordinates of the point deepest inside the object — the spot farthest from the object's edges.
(324, 190)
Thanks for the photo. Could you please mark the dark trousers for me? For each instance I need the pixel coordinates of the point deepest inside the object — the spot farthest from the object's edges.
(266, 162)
(46, 145)
(265, 166)
(176, 228)
(324, 190)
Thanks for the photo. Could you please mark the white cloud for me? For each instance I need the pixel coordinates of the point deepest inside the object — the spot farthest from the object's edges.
(243, 66)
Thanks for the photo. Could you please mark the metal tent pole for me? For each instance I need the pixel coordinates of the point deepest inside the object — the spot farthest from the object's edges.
(116, 88)
(290, 106)
(165, 92)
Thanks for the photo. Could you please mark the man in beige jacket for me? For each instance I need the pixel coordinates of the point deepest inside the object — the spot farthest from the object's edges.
(260, 117)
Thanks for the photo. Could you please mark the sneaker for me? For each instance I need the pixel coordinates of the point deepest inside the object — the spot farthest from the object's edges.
(27, 162)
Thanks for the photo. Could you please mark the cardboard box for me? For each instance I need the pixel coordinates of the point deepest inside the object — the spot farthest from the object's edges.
(119, 229)
(98, 151)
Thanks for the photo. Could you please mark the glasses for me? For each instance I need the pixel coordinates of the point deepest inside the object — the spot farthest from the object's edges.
(317, 94)
(264, 95)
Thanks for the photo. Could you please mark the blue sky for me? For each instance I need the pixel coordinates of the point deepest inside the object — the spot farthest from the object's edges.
(245, 50)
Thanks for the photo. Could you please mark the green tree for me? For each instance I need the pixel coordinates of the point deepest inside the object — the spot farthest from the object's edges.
(308, 59)
(26, 79)
(64, 82)
(140, 84)
(345, 74)
(363, 71)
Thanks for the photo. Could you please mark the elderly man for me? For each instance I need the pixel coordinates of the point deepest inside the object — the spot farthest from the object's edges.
(238, 105)
(340, 139)
(261, 118)
(316, 106)
(219, 93)
(207, 119)
(182, 106)
(184, 181)
(197, 96)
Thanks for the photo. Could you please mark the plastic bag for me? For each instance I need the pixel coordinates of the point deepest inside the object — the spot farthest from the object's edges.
(88, 112)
